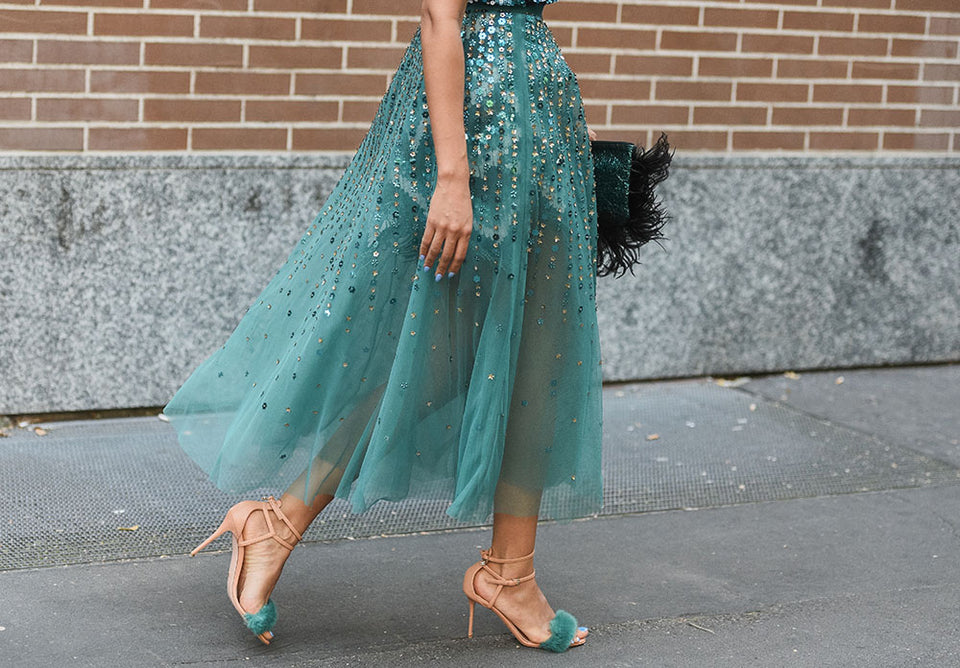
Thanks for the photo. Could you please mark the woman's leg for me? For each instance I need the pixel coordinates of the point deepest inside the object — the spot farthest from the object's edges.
(524, 604)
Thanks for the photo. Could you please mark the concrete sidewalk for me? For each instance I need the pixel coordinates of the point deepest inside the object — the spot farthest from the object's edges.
(865, 572)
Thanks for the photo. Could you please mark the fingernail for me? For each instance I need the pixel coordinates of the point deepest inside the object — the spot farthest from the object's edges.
(451, 275)
(426, 268)
(439, 276)
(421, 257)
(581, 628)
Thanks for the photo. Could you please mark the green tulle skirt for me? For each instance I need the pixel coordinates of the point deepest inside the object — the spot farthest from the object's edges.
(356, 374)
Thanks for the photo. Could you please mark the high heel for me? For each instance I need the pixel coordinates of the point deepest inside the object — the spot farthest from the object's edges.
(563, 626)
(262, 621)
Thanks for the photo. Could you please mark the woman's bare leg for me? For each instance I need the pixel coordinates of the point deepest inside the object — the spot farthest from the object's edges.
(515, 536)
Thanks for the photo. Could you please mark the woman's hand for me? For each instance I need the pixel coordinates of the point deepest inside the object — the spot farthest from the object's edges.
(449, 225)
(591, 134)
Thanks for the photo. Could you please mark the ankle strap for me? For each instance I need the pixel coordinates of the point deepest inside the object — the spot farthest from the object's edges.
(485, 557)
(275, 505)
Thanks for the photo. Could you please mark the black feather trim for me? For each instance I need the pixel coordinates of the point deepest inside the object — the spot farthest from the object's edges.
(619, 239)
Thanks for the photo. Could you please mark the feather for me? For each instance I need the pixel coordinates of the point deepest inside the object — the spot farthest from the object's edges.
(621, 236)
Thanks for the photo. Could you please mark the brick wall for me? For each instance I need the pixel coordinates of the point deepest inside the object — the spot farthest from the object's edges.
(295, 75)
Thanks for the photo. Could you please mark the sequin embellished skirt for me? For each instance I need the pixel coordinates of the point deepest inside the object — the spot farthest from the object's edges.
(356, 374)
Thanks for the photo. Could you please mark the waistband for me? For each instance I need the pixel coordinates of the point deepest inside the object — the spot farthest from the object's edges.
(535, 9)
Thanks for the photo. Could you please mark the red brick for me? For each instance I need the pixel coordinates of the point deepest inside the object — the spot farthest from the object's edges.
(35, 80)
(241, 83)
(583, 11)
(927, 5)
(596, 114)
(873, 70)
(359, 111)
(292, 110)
(837, 141)
(397, 7)
(941, 72)
(698, 41)
(88, 52)
(777, 43)
(740, 18)
(341, 84)
(818, 21)
(307, 6)
(139, 81)
(940, 118)
(854, 46)
(407, 29)
(614, 89)
(218, 5)
(295, 57)
(175, 25)
(659, 114)
(328, 139)
(374, 57)
(698, 140)
(658, 15)
(787, 2)
(16, 50)
(814, 68)
(693, 90)
(86, 109)
(670, 65)
(15, 108)
(597, 63)
(563, 36)
(131, 4)
(924, 48)
(616, 38)
(921, 94)
(335, 30)
(729, 115)
(944, 25)
(137, 139)
(767, 140)
(736, 67)
(870, 4)
(193, 54)
(239, 139)
(847, 93)
(807, 116)
(41, 139)
(35, 21)
(200, 111)
(914, 141)
(249, 27)
(892, 23)
(868, 116)
(772, 92)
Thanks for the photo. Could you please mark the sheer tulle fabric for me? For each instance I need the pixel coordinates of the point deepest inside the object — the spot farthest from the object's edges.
(355, 373)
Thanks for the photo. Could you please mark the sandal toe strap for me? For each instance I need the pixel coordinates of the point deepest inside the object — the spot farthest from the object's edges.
(563, 629)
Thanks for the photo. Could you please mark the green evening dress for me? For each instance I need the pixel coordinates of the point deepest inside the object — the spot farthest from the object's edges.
(357, 374)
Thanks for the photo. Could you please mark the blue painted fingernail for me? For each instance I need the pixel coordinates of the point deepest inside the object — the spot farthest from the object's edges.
(421, 257)
(426, 268)
(439, 276)
(451, 275)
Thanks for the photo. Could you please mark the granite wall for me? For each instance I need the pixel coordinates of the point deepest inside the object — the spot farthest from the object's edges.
(119, 274)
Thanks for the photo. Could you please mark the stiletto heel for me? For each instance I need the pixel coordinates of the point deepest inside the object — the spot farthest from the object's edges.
(262, 621)
(470, 623)
(219, 532)
(563, 626)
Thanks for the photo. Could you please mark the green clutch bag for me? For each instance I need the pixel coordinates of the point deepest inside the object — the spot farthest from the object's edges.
(628, 213)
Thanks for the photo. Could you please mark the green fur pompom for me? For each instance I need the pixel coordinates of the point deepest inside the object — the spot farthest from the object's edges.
(563, 627)
(263, 619)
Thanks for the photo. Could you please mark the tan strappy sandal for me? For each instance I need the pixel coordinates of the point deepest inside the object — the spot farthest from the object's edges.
(563, 626)
(260, 622)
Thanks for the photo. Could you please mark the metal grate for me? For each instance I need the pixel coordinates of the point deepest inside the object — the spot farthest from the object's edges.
(74, 495)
